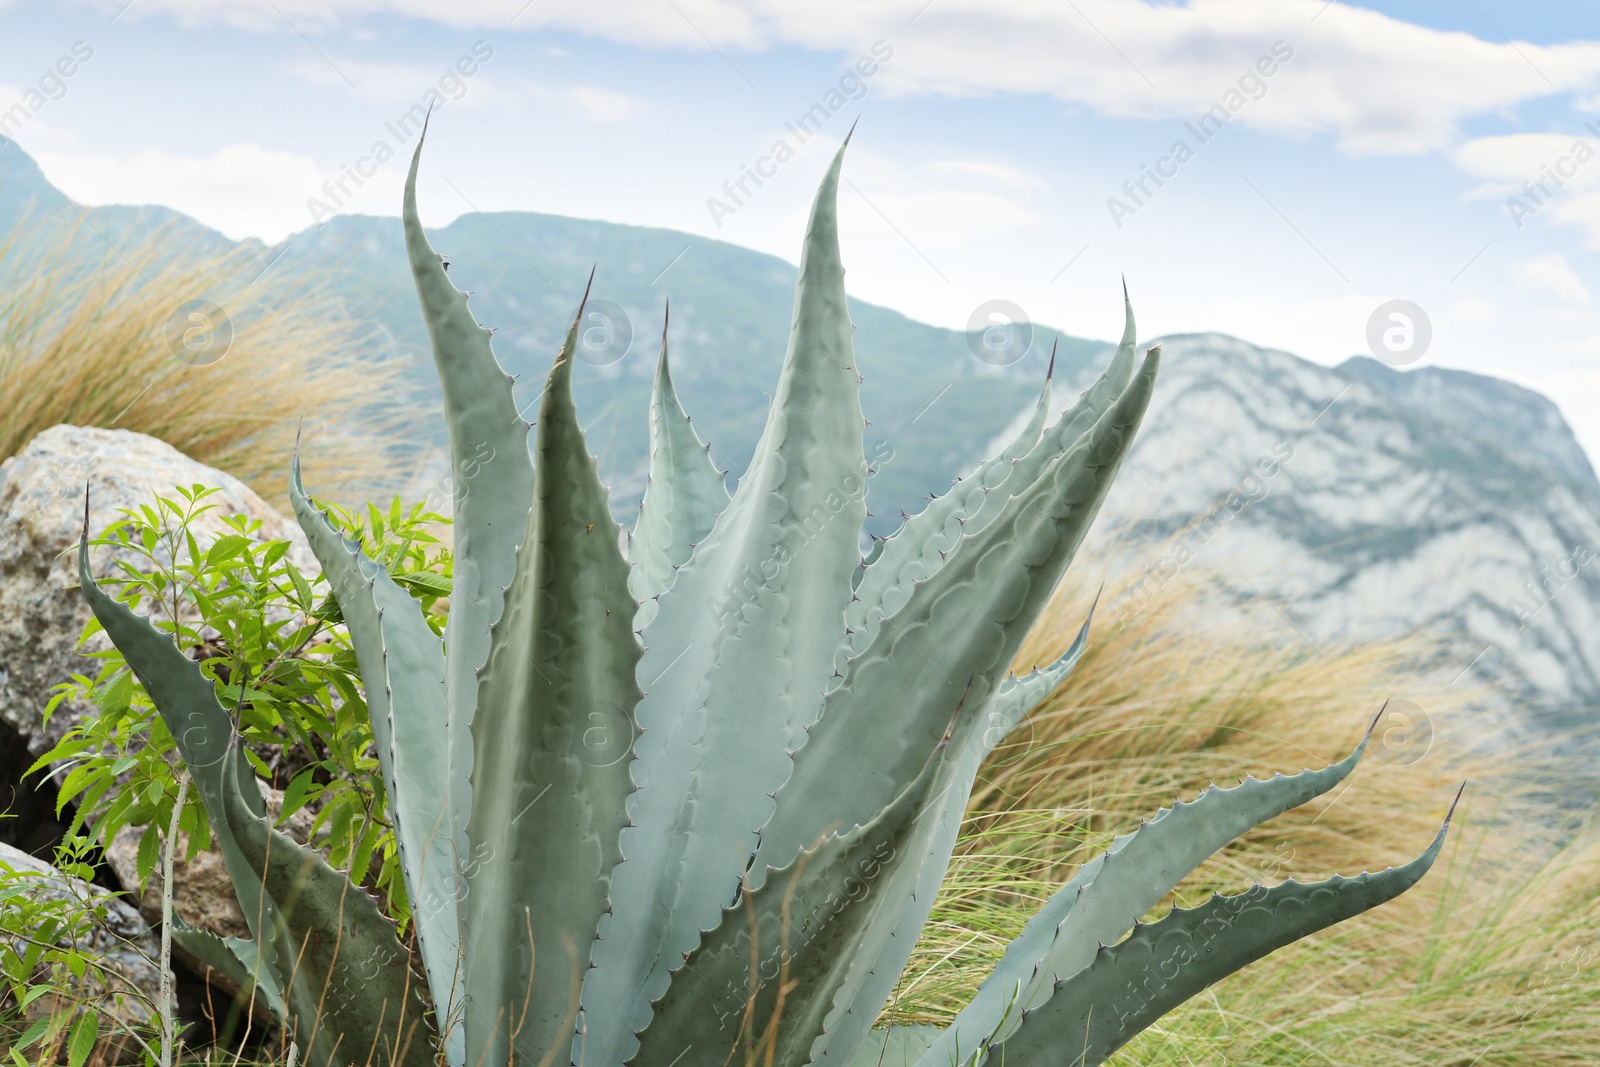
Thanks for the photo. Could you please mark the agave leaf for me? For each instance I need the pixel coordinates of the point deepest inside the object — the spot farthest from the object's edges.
(349, 996)
(919, 547)
(683, 495)
(493, 488)
(402, 666)
(911, 893)
(1017, 696)
(769, 971)
(879, 724)
(932, 530)
(737, 657)
(554, 731)
(1111, 892)
(203, 731)
(1130, 985)
(236, 959)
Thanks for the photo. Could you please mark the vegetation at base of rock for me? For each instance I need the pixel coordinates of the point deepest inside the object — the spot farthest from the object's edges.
(272, 641)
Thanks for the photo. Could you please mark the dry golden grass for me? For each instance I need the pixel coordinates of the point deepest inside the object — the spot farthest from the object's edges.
(1493, 960)
(99, 344)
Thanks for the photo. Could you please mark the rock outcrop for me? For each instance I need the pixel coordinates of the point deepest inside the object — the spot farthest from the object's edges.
(41, 516)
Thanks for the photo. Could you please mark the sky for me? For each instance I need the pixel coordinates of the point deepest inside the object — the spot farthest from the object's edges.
(1340, 164)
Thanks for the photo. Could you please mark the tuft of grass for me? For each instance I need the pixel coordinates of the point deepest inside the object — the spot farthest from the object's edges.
(1492, 961)
(101, 341)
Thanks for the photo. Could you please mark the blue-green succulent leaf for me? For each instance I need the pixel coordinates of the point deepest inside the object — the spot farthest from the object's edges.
(770, 970)
(1130, 985)
(554, 731)
(349, 995)
(1020, 694)
(920, 546)
(911, 892)
(896, 1046)
(1112, 892)
(492, 480)
(403, 671)
(953, 640)
(236, 959)
(683, 495)
(737, 657)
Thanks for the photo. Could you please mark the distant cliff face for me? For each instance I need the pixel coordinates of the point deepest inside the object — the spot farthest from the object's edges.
(1360, 501)
(1366, 503)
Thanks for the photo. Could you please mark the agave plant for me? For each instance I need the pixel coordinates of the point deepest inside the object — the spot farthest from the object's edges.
(691, 799)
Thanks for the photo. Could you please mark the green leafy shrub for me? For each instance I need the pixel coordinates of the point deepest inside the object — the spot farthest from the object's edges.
(272, 640)
(51, 968)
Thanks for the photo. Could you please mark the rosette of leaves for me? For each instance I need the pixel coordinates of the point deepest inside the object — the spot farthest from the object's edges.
(713, 826)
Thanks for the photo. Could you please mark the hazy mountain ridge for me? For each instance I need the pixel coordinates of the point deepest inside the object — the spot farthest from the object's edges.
(1397, 502)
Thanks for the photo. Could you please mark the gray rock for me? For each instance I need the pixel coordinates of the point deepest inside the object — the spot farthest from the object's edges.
(127, 989)
(41, 516)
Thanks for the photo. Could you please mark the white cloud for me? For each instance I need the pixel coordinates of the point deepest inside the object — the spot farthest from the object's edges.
(31, 129)
(603, 105)
(1379, 84)
(999, 173)
(243, 190)
(1545, 175)
(401, 84)
(939, 206)
(1551, 274)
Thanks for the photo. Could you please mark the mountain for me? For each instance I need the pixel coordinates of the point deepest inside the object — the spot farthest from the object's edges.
(1363, 503)
(1366, 503)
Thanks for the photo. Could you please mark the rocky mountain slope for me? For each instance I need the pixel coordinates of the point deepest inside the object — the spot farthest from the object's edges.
(1365, 503)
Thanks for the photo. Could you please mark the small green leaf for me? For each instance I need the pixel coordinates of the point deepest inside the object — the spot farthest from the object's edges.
(84, 1033)
(294, 797)
(226, 547)
(430, 583)
(149, 853)
(46, 1027)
